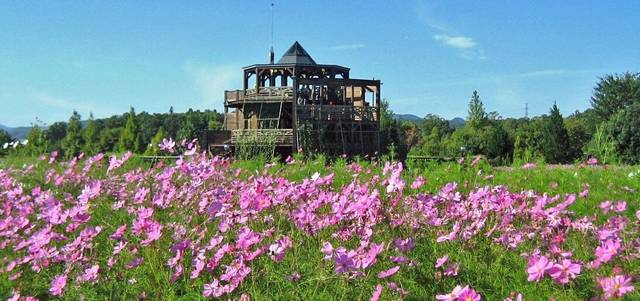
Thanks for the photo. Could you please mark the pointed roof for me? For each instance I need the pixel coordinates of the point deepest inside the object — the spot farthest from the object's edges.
(296, 55)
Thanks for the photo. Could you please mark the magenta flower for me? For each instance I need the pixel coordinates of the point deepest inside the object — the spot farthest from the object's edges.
(441, 261)
(616, 286)
(344, 262)
(537, 266)
(452, 296)
(564, 271)
(376, 293)
(389, 272)
(469, 294)
(90, 274)
(607, 250)
(167, 145)
(592, 161)
(58, 284)
(620, 206)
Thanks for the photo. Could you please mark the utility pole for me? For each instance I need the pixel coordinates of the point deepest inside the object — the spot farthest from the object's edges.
(526, 110)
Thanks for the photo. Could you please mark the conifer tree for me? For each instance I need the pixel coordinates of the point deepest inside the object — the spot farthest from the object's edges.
(130, 135)
(477, 114)
(72, 143)
(153, 148)
(90, 134)
(555, 144)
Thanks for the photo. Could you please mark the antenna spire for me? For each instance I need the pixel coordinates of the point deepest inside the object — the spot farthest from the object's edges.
(526, 110)
(271, 54)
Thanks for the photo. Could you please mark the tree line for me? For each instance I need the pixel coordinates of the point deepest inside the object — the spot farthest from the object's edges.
(608, 131)
(140, 133)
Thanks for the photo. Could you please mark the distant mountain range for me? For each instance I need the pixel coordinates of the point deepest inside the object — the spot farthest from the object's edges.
(454, 123)
(16, 132)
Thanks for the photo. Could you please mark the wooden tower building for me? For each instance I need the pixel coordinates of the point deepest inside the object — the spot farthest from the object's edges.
(296, 104)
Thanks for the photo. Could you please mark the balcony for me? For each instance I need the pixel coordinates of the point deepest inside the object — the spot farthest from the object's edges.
(278, 137)
(262, 94)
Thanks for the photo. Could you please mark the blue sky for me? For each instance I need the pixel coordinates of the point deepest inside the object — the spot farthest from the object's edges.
(103, 56)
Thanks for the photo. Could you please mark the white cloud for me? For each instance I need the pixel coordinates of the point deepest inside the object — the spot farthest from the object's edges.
(460, 42)
(211, 82)
(83, 107)
(347, 46)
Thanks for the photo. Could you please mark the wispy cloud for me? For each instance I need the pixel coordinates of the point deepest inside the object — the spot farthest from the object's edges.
(68, 104)
(347, 46)
(460, 42)
(466, 46)
(211, 81)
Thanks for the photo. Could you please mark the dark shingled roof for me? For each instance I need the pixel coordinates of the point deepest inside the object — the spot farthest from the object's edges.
(296, 55)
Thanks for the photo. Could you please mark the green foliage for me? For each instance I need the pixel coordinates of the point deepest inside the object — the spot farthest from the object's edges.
(390, 131)
(477, 115)
(109, 138)
(4, 138)
(91, 138)
(152, 148)
(615, 92)
(73, 143)
(625, 131)
(38, 143)
(56, 134)
(602, 146)
(555, 142)
(130, 135)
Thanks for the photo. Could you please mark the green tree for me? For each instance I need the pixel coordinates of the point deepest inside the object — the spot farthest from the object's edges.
(72, 144)
(477, 114)
(56, 133)
(109, 138)
(4, 138)
(38, 143)
(625, 129)
(390, 131)
(153, 148)
(615, 92)
(130, 135)
(91, 138)
(555, 143)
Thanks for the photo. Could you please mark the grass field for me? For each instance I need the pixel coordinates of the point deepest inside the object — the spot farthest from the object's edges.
(118, 228)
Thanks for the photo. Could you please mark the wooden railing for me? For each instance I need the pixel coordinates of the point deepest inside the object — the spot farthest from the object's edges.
(277, 136)
(259, 94)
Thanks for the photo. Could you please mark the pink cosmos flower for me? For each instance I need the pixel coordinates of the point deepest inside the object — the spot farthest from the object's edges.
(344, 263)
(418, 182)
(592, 161)
(452, 270)
(529, 166)
(607, 250)
(389, 272)
(441, 261)
(167, 145)
(469, 294)
(327, 250)
(58, 284)
(564, 271)
(616, 286)
(453, 295)
(404, 245)
(620, 207)
(606, 206)
(90, 274)
(537, 266)
(376, 293)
